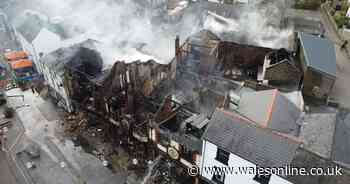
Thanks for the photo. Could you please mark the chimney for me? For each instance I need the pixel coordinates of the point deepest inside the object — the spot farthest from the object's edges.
(177, 49)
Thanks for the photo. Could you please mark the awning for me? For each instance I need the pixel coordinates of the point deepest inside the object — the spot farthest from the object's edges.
(13, 56)
(21, 64)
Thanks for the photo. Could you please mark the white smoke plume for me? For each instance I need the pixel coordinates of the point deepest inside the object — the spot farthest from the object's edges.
(258, 24)
(126, 26)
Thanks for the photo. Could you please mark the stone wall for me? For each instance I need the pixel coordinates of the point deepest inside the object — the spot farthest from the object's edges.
(283, 72)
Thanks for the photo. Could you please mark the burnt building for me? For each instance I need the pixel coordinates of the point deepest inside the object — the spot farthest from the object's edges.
(151, 109)
(280, 69)
(56, 66)
(121, 99)
(241, 62)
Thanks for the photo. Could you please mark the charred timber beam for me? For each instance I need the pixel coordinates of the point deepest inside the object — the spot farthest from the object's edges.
(168, 118)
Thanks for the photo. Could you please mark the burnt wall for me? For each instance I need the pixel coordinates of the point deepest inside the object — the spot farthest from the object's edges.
(232, 55)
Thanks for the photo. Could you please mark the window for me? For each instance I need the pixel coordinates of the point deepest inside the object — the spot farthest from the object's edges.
(222, 156)
(262, 178)
(219, 176)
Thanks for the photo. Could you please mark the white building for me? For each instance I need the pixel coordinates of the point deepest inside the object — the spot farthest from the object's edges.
(44, 44)
(234, 141)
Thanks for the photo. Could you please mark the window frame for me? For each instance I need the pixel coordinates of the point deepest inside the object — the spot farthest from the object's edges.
(222, 156)
(262, 178)
(215, 176)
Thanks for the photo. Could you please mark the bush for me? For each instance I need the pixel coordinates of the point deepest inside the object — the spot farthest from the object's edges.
(344, 6)
(9, 112)
(308, 4)
(340, 19)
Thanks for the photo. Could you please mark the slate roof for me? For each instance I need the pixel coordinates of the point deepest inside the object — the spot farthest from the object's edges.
(319, 53)
(306, 159)
(341, 143)
(271, 109)
(264, 147)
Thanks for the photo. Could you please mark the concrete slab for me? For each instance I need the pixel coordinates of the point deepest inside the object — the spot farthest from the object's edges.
(6, 177)
(317, 133)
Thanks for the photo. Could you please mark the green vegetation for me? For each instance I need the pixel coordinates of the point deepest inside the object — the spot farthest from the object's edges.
(340, 19)
(228, 1)
(340, 15)
(308, 4)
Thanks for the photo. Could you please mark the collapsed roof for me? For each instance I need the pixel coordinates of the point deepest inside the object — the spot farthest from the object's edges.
(234, 54)
(78, 57)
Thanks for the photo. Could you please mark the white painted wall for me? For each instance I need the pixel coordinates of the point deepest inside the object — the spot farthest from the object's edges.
(54, 80)
(45, 43)
(208, 160)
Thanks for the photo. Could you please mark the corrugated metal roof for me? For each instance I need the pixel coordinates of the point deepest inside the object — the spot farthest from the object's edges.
(21, 64)
(16, 55)
(319, 53)
(263, 147)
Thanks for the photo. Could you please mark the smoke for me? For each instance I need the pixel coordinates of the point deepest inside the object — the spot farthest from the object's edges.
(135, 29)
(124, 27)
(258, 24)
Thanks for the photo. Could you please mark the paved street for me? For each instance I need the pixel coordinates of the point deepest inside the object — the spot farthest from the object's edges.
(6, 176)
(55, 148)
(341, 90)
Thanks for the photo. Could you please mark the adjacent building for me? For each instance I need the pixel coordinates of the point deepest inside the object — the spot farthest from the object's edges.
(55, 65)
(318, 62)
(271, 109)
(280, 69)
(234, 141)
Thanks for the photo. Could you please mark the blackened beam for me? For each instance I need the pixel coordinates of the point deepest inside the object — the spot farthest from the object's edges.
(84, 74)
(197, 45)
(89, 110)
(180, 108)
(174, 113)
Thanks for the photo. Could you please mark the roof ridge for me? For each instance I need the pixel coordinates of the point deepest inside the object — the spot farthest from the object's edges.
(275, 93)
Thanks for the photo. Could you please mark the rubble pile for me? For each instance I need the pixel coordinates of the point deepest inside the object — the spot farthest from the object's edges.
(74, 124)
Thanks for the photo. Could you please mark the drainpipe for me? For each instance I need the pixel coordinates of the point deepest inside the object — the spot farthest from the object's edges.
(177, 49)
